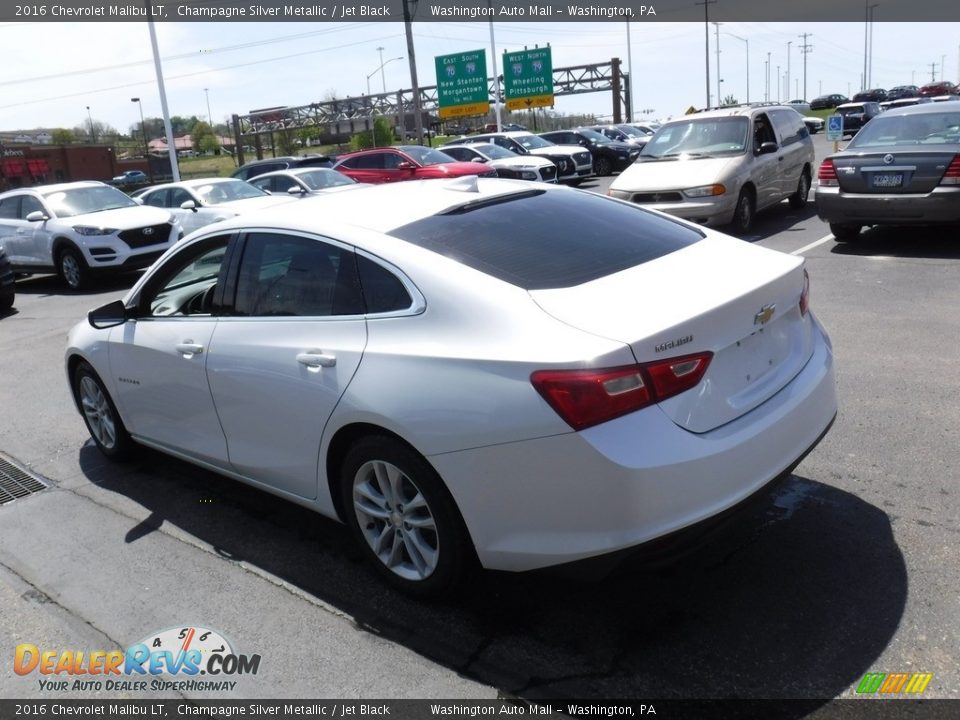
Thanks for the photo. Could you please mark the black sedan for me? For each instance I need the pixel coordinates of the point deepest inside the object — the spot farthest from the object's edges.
(901, 169)
(876, 95)
(825, 102)
(903, 91)
(609, 156)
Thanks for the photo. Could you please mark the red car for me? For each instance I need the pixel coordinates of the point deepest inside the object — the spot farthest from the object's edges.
(938, 88)
(407, 162)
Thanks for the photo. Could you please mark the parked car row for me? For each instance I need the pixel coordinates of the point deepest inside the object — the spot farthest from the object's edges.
(879, 95)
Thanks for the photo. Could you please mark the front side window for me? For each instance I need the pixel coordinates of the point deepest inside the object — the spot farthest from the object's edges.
(8, 208)
(156, 199)
(178, 196)
(30, 204)
(186, 283)
(293, 275)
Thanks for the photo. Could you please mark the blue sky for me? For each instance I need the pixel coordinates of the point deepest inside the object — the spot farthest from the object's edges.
(62, 68)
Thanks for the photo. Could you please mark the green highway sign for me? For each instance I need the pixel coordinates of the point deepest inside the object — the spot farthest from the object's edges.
(528, 79)
(462, 84)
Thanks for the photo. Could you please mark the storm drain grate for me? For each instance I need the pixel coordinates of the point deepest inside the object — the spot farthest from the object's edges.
(15, 482)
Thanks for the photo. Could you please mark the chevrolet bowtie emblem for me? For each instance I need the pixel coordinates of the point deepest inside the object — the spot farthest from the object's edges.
(763, 317)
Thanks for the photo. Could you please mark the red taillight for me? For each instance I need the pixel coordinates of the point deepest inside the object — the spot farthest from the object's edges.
(584, 398)
(952, 175)
(827, 175)
(805, 294)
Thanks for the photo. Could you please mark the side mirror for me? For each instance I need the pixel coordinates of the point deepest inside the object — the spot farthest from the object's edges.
(109, 315)
(296, 190)
(479, 160)
(406, 165)
(138, 200)
(37, 216)
(188, 205)
(768, 147)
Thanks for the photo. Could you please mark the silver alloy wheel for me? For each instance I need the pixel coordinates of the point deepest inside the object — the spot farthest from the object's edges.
(396, 520)
(97, 411)
(70, 267)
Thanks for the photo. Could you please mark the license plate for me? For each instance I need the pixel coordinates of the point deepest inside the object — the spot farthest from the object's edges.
(888, 180)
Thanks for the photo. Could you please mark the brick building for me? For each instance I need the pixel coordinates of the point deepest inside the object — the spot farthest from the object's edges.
(25, 165)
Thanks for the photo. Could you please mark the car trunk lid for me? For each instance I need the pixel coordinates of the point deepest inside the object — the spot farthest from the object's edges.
(720, 295)
(893, 170)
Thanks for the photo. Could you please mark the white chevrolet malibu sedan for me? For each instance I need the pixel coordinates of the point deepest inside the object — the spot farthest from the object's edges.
(476, 369)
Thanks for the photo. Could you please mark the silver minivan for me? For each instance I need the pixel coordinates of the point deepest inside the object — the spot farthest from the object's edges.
(719, 167)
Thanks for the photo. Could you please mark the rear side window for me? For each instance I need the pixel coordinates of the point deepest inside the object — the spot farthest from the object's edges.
(539, 239)
(382, 290)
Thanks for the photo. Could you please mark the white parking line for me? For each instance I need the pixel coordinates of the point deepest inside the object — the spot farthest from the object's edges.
(812, 245)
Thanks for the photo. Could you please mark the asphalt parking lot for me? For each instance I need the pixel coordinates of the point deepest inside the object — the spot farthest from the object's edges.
(849, 567)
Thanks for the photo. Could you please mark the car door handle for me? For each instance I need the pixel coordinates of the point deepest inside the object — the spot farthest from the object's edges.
(188, 349)
(316, 360)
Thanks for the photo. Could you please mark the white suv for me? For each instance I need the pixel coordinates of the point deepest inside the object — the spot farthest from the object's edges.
(574, 163)
(81, 229)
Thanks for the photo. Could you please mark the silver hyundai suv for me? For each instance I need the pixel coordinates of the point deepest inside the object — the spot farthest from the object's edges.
(81, 229)
(719, 167)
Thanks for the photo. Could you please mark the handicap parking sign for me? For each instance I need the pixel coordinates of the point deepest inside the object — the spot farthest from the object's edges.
(835, 127)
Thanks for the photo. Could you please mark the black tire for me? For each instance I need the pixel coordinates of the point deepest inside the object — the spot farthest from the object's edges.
(425, 550)
(743, 215)
(72, 268)
(602, 166)
(798, 200)
(845, 233)
(6, 301)
(100, 414)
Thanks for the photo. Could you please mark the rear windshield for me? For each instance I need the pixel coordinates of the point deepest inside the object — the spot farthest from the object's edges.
(916, 129)
(539, 239)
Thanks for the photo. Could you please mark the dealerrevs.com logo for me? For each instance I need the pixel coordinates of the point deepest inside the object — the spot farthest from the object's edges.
(181, 652)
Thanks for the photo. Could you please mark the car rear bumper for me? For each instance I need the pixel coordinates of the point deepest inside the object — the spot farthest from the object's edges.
(626, 482)
(940, 206)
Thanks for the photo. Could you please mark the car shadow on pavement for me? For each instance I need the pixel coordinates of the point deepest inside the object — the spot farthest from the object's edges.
(780, 219)
(795, 599)
(935, 242)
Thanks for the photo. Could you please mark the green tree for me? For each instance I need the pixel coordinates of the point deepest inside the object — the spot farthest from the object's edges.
(63, 136)
(730, 100)
(204, 139)
(380, 136)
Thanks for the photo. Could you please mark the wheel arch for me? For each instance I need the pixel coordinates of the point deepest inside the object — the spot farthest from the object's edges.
(337, 451)
(59, 243)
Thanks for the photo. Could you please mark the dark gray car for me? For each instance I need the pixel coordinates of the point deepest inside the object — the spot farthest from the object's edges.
(903, 168)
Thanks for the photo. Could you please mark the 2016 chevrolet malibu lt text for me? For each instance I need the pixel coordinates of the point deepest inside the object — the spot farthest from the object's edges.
(483, 370)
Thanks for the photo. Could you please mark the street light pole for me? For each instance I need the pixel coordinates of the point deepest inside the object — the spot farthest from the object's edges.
(206, 91)
(384, 83)
(143, 129)
(93, 135)
(716, 26)
(747, 42)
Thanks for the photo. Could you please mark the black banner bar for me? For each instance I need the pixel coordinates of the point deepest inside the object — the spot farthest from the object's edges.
(461, 10)
(125, 709)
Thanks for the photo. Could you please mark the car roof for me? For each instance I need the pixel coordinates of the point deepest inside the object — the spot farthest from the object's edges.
(43, 189)
(397, 205)
(734, 111)
(929, 108)
(195, 182)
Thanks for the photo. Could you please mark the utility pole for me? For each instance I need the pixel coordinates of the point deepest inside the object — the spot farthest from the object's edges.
(779, 84)
(789, 43)
(805, 49)
(415, 86)
(943, 62)
(706, 39)
(768, 93)
(719, 96)
(866, 30)
(933, 73)
(869, 79)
